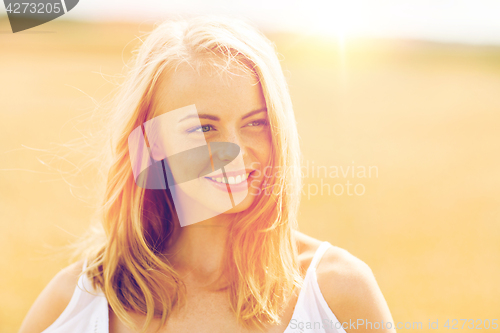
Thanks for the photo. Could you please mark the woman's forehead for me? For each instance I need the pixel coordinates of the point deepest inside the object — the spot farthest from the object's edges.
(216, 90)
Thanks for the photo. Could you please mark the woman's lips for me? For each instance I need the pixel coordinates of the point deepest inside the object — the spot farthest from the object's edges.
(235, 181)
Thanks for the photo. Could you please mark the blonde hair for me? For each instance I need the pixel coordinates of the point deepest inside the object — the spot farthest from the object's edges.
(125, 256)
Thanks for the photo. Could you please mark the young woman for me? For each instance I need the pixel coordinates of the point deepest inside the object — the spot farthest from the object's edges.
(214, 246)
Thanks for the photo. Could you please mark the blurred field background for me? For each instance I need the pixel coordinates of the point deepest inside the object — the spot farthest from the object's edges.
(427, 115)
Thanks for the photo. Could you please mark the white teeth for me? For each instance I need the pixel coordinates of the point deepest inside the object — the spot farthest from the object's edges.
(231, 180)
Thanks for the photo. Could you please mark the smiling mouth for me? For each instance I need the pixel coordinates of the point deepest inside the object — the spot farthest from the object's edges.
(233, 180)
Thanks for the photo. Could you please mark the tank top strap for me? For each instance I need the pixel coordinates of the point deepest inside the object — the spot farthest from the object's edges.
(308, 292)
(318, 255)
(85, 283)
(81, 281)
(84, 264)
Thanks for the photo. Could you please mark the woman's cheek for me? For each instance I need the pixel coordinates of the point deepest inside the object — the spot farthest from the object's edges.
(256, 166)
(256, 188)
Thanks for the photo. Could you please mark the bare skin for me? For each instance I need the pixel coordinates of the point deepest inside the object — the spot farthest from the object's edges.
(346, 283)
(207, 311)
(196, 251)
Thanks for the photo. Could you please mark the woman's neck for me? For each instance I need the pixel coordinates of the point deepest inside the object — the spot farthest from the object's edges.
(196, 251)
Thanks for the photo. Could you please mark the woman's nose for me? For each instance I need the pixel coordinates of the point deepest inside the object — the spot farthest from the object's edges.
(224, 151)
(227, 147)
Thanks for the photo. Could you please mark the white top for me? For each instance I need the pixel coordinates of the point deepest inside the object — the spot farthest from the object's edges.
(87, 312)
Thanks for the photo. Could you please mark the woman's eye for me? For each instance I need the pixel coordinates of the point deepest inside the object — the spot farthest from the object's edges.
(201, 129)
(257, 123)
(205, 128)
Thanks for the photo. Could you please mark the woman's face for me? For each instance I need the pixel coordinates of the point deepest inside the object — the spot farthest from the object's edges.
(207, 109)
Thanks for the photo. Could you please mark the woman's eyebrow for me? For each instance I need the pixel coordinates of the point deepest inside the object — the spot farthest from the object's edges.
(251, 113)
(201, 116)
(215, 118)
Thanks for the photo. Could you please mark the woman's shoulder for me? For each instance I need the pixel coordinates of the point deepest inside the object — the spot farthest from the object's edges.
(306, 246)
(347, 284)
(344, 278)
(335, 262)
(52, 301)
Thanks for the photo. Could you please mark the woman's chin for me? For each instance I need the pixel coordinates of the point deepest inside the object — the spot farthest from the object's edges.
(242, 206)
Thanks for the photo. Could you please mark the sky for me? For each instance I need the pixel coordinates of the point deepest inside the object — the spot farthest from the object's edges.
(462, 21)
